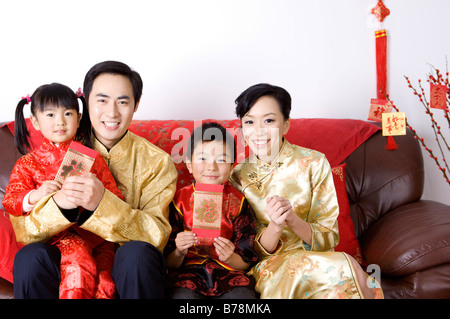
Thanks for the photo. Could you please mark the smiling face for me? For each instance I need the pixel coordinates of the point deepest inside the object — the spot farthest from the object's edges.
(56, 123)
(263, 128)
(211, 163)
(111, 107)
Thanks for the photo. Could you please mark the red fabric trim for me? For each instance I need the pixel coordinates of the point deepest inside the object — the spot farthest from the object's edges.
(381, 48)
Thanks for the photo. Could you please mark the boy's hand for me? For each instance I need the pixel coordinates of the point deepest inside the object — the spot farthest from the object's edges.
(184, 241)
(224, 248)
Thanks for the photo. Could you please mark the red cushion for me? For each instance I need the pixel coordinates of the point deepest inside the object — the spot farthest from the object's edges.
(336, 138)
(347, 238)
(8, 246)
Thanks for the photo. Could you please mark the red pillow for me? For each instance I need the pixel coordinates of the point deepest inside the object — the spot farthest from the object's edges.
(348, 242)
(8, 246)
(336, 138)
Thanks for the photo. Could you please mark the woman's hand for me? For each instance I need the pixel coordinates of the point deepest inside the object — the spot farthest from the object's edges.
(279, 211)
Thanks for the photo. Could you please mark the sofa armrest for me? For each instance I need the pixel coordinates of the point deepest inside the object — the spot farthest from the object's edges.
(410, 238)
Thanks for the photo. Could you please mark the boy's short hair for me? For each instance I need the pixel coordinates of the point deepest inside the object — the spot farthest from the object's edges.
(208, 132)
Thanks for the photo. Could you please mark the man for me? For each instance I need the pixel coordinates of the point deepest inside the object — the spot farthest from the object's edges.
(145, 175)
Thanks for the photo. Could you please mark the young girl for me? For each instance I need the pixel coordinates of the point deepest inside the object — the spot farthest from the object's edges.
(205, 266)
(291, 191)
(86, 259)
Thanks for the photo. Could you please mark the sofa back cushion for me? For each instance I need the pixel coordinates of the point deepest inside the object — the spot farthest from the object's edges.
(379, 180)
(8, 157)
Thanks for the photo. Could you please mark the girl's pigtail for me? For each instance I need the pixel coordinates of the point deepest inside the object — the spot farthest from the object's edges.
(21, 133)
(84, 130)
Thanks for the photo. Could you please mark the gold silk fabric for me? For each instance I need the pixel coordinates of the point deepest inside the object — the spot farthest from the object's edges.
(144, 174)
(147, 177)
(296, 269)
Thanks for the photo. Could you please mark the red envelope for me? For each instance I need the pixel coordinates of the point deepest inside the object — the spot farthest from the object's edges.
(378, 107)
(77, 161)
(207, 216)
(438, 96)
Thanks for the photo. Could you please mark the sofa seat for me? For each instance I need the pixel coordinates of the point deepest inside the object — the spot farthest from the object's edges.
(392, 227)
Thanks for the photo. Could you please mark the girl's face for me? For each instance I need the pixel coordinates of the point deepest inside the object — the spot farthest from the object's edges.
(263, 128)
(56, 123)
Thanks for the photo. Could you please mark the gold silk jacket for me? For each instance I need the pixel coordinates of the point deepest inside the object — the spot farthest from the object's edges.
(302, 176)
(144, 174)
(296, 269)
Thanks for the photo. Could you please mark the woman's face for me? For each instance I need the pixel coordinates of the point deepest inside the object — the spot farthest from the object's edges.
(263, 128)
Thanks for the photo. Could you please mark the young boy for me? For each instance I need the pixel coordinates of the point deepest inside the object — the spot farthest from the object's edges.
(202, 265)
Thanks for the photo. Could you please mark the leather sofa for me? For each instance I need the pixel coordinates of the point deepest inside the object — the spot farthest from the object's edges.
(406, 237)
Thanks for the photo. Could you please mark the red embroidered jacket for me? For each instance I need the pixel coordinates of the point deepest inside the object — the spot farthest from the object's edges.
(42, 164)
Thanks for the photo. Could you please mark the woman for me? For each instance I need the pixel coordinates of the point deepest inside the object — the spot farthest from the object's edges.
(291, 191)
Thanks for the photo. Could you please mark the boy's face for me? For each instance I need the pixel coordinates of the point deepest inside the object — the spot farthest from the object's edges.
(111, 107)
(211, 163)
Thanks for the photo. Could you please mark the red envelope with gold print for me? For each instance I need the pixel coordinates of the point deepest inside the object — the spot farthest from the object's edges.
(77, 161)
(377, 108)
(207, 215)
(438, 96)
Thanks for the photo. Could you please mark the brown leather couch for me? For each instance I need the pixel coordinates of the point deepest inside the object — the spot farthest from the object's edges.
(408, 238)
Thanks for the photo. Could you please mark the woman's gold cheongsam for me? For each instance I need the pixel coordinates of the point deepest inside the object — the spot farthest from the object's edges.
(296, 269)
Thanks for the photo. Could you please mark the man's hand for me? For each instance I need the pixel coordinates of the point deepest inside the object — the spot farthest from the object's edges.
(83, 191)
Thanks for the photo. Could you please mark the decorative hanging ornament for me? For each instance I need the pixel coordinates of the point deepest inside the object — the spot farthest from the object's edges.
(380, 11)
(381, 60)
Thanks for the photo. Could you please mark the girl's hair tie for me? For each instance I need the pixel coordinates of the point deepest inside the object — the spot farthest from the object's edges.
(27, 97)
(79, 93)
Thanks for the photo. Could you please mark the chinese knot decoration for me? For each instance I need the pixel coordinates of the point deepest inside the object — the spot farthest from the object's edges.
(380, 11)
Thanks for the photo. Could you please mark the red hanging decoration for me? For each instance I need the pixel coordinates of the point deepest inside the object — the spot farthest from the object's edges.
(391, 145)
(381, 12)
(381, 48)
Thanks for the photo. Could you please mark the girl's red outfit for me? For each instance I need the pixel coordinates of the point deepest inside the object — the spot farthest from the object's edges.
(86, 259)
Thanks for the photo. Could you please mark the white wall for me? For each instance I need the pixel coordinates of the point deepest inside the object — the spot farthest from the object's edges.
(196, 56)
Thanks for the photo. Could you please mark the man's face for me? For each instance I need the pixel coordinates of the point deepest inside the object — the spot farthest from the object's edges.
(111, 107)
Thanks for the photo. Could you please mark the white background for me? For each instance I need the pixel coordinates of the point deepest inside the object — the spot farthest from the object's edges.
(197, 56)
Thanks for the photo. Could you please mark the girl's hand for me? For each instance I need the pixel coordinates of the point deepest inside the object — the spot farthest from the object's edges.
(184, 241)
(47, 188)
(224, 248)
(279, 211)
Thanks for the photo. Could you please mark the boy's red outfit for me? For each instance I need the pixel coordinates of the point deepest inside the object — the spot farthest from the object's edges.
(86, 259)
(206, 274)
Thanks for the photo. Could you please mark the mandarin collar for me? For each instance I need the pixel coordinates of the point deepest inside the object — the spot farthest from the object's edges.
(285, 151)
(118, 148)
(48, 151)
